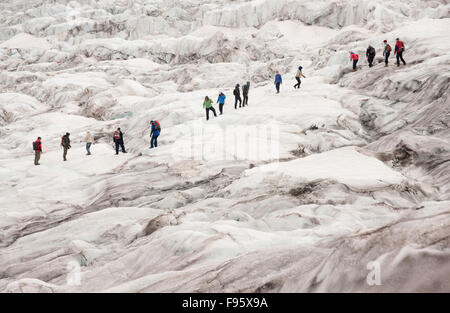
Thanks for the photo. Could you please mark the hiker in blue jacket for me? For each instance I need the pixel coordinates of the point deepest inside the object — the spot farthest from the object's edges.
(278, 81)
(156, 129)
(221, 102)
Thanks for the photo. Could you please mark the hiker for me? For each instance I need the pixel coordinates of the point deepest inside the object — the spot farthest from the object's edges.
(118, 140)
(278, 81)
(37, 147)
(156, 130)
(354, 57)
(399, 49)
(89, 141)
(207, 104)
(245, 90)
(237, 96)
(221, 102)
(370, 54)
(386, 52)
(65, 143)
(298, 76)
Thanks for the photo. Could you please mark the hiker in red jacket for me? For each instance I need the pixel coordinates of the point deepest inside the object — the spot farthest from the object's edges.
(37, 147)
(354, 57)
(399, 48)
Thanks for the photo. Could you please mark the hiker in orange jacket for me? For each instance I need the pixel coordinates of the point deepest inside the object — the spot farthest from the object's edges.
(118, 140)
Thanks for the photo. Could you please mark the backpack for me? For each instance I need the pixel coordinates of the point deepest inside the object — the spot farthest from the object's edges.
(35, 145)
(157, 126)
(116, 135)
(388, 48)
(62, 141)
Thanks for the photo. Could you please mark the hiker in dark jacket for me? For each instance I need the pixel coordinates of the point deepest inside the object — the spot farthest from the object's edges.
(118, 140)
(245, 90)
(370, 54)
(237, 96)
(65, 143)
(37, 147)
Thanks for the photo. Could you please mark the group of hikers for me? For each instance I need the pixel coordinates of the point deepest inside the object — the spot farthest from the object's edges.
(65, 144)
(370, 54)
(208, 106)
(208, 103)
(155, 127)
(155, 130)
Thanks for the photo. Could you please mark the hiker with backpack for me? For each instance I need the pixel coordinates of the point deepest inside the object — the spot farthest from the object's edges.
(245, 90)
(207, 104)
(221, 102)
(298, 76)
(278, 81)
(386, 52)
(65, 143)
(399, 49)
(354, 57)
(89, 141)
(154, 133)
(370, 54)
(237, 96)
(118, 140)
(37, 147)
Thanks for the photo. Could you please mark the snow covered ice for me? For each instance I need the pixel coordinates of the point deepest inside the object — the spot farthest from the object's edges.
(302, 191)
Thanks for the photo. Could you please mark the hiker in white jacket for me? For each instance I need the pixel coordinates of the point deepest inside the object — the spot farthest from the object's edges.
(298, 76)
(89, 140)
